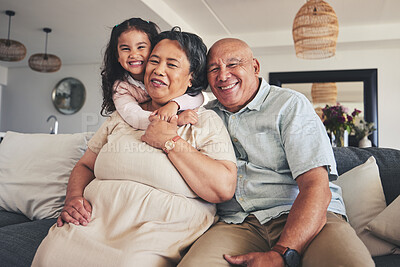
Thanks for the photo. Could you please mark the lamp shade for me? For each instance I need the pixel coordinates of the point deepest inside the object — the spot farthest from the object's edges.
(315, 30)
(11, 50)
(324, 93)
(45, 62)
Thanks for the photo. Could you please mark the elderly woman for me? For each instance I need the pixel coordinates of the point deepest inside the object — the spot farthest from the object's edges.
(141, 198)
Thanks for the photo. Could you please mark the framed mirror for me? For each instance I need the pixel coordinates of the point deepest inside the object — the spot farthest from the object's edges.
(367, 77)
(68, 96)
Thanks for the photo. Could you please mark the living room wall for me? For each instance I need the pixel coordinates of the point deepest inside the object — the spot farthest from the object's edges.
(27, 100)
(27, 96)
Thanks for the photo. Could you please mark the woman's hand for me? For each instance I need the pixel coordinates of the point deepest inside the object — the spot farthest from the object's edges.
(159, 131)
(188, 116)
(77, 210)
(167, 111)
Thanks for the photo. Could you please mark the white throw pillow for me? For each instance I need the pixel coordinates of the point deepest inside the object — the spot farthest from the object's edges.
(386, 224)
(364, 200)
(34, 171)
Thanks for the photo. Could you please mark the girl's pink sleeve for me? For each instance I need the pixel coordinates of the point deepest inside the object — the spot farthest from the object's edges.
(128, 107)
(189, 102)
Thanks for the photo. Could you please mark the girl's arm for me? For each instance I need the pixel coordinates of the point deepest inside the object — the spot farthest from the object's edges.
(126, 100)
(186, 101)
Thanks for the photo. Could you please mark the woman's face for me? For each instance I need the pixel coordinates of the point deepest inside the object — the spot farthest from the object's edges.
(167, 72)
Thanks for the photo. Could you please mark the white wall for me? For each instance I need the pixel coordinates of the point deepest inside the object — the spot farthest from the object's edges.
(386, 60)
(27, 100)
(3, 82)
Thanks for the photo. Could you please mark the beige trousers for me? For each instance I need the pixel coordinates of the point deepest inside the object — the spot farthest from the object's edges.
(336, 245)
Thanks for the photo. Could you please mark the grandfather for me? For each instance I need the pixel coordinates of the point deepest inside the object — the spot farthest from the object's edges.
(284, 211)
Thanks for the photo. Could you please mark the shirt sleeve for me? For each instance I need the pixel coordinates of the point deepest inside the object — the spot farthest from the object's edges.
(212, 137)
(186, 101)
(99, 139)
(304, 138)
(126, 99)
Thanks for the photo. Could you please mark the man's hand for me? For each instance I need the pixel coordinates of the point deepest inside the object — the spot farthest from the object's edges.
(159, 131)
(167, 111)
(188, 116)
(77, 210)
(257, 259)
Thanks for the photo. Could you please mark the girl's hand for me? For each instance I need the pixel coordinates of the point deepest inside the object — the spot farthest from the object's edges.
(167, 111)
(189, 116)
(77, 210)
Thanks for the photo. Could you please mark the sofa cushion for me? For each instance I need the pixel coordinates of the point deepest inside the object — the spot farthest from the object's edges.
(388, 162)
(364, 200)
(34, 171)
(19, 242)
(9, 218)
(386, 224)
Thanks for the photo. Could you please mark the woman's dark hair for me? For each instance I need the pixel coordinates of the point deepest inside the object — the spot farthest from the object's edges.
(195, 51)
(111, 70)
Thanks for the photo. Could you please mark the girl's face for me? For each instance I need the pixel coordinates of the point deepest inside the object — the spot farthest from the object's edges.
(134, 48)
(167, 73)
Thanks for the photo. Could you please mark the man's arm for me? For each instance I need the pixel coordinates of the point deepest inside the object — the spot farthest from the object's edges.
(305, 220)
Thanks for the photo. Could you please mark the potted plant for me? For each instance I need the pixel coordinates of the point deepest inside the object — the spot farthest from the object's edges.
(337, 121)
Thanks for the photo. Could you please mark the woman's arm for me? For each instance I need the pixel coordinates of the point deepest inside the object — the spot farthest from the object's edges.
(212, 180)
(77, 209)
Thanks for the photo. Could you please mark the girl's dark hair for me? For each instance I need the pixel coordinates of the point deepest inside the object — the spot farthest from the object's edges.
(195, 51)
(111, 70)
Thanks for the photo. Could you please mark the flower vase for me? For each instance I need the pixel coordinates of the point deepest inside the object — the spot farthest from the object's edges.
(339, 138)
(365, 142)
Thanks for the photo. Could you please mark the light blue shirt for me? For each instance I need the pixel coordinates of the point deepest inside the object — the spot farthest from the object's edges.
(277, 137)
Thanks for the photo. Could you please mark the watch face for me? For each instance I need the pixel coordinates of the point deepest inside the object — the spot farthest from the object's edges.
(169, 145)
(292, 258)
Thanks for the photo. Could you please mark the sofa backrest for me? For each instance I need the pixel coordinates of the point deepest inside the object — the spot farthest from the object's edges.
(388, 161)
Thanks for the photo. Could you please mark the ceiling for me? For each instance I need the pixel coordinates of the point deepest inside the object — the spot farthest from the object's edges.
(81, 27)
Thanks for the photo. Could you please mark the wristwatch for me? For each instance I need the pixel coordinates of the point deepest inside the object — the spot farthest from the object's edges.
(170, 144)
(290, 256)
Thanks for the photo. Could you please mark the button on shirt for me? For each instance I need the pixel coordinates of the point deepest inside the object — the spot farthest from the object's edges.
(277, 137)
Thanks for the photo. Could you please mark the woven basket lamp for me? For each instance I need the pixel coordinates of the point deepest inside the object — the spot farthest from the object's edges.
(11, 50)
(324, 93)
(315, 30)
(45, 62)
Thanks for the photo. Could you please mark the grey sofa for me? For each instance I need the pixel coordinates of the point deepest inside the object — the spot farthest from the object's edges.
(20, 237)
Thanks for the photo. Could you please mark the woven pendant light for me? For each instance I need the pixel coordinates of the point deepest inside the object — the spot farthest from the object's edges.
(11, 50)
(45, 62)
(324, 93)
(315, 30)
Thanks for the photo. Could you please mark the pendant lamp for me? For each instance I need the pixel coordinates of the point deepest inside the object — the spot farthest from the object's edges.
(45, 62)
(315, 30)
(324, 93)
(11, 50)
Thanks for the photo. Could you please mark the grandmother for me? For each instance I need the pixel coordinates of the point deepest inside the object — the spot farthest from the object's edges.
(134, 203)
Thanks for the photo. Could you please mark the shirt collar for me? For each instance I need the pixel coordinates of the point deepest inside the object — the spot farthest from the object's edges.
(254, 104)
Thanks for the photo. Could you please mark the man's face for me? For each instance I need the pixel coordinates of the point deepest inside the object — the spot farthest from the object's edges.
(232, 73)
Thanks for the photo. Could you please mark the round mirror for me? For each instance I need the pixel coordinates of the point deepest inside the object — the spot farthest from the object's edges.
(69, 96)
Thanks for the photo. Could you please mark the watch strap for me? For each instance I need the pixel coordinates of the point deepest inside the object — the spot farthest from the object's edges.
(280, 249)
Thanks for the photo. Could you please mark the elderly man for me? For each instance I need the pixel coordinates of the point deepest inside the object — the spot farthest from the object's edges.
(285, 211)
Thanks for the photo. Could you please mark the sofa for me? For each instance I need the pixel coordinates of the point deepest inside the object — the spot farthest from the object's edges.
(30, 204)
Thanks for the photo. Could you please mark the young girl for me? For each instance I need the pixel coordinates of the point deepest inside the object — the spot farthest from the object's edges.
(125, 62)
